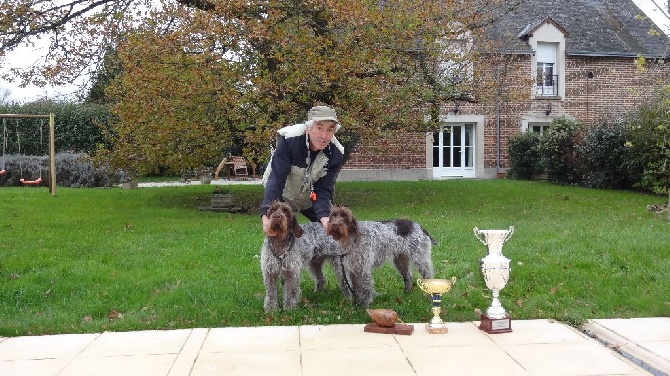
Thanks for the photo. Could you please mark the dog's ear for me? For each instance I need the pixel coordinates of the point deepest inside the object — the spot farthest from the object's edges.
(297, 230)
(353, 226)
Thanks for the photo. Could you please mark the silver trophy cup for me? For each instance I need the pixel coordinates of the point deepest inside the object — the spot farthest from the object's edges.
(495, 270)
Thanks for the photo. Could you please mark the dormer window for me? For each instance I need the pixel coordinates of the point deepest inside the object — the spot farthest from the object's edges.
(547, 39)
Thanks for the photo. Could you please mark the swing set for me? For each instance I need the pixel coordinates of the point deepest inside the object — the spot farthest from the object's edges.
(52, 148)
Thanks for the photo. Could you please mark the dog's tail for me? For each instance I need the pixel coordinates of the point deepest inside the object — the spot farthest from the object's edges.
(432, 240)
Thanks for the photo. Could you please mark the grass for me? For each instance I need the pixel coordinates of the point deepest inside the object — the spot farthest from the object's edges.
(91, 260)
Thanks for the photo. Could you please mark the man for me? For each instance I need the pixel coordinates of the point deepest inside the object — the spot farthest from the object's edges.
(304, 166)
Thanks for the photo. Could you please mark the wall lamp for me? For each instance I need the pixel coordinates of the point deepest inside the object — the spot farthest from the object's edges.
(548, 110)
(456, 108)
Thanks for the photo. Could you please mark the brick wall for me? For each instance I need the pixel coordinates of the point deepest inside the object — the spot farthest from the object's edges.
(617, 85)
(404, 152)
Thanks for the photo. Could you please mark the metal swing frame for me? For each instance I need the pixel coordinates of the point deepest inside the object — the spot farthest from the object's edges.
(52, 146)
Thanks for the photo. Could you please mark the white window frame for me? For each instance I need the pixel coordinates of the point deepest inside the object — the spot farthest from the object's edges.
(547, 69)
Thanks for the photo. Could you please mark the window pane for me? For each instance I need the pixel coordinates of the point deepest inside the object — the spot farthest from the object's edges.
(447, 157)
(457, 156)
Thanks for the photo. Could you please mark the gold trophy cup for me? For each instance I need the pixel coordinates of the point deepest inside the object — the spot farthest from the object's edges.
(436, 287)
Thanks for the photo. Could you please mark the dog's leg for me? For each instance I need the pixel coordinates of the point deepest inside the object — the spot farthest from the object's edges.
(422, 259)
(402, 264)
(341, 276)
(270, 278)
(316, 271)
(363, 285)
(291, 286)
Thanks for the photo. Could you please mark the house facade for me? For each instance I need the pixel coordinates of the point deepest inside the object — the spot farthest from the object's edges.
(575, 58)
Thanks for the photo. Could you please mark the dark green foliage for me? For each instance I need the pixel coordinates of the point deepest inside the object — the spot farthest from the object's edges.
(606, 161)
(524, 154)
(558, 148)
(649, 141)
(77, 127)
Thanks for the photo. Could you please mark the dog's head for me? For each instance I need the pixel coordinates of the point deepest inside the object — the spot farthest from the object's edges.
(282, 220)
(341, 224)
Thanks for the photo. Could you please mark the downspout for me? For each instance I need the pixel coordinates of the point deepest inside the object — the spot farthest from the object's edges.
(497, 138)
(498, 123)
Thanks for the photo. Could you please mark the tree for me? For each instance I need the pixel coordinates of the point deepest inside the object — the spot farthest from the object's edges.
(196, 75)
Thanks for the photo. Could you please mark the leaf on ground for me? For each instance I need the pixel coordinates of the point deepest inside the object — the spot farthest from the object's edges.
(114, 314)
(519, 302)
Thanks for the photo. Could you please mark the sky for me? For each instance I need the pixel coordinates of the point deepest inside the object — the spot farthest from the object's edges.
(24, 56)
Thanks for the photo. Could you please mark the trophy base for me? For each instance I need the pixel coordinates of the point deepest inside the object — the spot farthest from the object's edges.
(495, 326)
(402, 329)
(437, 328)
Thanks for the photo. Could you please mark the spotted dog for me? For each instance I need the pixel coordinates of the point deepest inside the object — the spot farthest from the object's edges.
(370, 244)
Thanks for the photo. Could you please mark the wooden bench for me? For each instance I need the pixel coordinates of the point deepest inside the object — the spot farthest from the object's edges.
(235, 167)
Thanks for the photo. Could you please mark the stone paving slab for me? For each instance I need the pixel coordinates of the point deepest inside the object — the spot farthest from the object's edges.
(535, 347)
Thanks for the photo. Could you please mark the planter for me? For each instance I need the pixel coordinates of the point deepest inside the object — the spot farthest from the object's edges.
(222, 200)
(205, 179)
(129, 185)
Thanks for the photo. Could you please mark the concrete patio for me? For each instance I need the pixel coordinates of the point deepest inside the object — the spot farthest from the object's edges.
(535, 347)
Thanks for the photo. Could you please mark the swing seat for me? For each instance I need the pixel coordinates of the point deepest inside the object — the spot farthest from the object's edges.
(31, 182)
(3, 171)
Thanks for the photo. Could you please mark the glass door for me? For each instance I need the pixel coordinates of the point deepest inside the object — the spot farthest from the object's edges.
(453, 151)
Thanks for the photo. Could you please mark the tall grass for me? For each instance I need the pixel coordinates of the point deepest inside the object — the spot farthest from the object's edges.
(90, 260)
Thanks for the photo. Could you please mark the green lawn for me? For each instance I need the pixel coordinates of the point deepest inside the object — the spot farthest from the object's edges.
(149, 259)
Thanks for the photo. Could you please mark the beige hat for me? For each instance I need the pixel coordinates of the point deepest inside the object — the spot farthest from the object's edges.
(321, 113)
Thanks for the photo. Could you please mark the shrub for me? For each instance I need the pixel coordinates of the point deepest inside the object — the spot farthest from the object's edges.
(559, 151)
(72, 170)
(605, 158)
(524, 155)
(649, 142)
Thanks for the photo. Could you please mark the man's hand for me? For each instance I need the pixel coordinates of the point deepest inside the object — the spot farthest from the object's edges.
(324, 222)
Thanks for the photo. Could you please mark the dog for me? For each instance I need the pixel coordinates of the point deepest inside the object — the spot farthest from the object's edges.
(369, 244)
(287, 250)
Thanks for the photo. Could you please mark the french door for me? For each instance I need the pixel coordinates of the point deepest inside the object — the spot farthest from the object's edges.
(454, 151)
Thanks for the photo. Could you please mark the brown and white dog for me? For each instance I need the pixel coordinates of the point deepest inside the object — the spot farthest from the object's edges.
(369, 244)
(288, 249)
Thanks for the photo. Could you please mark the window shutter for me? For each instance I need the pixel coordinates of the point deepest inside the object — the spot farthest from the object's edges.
(546, 53)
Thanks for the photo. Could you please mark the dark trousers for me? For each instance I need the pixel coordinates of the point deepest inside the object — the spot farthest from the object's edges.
(310, 214)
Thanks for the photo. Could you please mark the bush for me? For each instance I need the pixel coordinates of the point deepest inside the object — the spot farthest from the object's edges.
(559, 151)
(649, 142)
(77, 127)
(605, 157)
(524, 155)
(72, 170)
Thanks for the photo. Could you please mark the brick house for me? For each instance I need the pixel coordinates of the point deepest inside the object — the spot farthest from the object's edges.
(578, 60)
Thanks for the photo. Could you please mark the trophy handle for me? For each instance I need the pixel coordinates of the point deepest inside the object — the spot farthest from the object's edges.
(421, 285)
(478, 234)
(509, 234)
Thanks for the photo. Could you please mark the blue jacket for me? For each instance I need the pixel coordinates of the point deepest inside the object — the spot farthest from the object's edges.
(287, 177)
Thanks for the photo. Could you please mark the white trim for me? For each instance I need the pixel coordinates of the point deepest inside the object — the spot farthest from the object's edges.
(478, 134)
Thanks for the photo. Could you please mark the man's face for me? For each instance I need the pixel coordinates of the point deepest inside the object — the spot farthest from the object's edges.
(320, 134)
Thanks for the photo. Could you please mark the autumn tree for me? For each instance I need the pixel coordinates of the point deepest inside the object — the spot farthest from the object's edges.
(199, 77)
